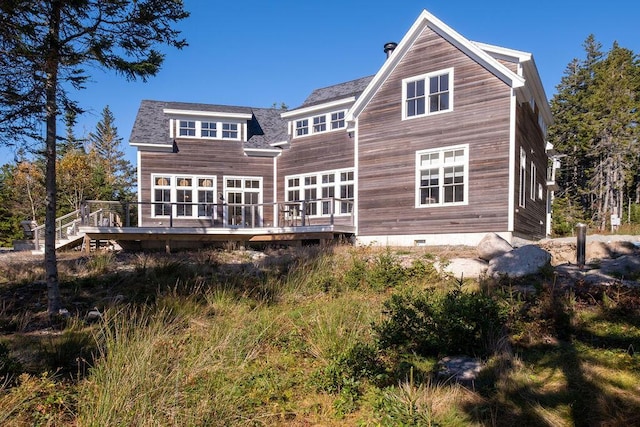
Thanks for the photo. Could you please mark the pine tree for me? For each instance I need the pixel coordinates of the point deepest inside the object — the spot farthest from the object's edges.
(113, 174)
(45, 45)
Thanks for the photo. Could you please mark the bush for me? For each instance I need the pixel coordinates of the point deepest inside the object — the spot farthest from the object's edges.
(429, 323)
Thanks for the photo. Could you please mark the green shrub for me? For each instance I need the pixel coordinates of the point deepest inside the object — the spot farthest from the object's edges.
(431, 323)
(386, 272)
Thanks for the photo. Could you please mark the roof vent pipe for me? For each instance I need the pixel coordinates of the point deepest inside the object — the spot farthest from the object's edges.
(389, 47)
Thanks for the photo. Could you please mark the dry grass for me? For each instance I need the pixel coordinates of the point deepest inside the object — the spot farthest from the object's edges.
(243, 338)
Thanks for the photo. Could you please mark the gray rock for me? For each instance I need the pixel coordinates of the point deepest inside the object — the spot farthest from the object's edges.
(623, 266)
(466, 267)
(492, 246)
(519, 262)
(461, 369)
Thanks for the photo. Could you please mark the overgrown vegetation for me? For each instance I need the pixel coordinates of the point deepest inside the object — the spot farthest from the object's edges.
(310, 336)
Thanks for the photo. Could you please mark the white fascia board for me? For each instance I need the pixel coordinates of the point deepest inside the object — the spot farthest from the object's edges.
(425, 20)
(145, 146)
(280, 144)
(220, 114)
(503, 52)
(316, 108)
(262, 152)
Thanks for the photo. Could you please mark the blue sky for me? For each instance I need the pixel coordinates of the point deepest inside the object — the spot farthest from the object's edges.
(261, 52)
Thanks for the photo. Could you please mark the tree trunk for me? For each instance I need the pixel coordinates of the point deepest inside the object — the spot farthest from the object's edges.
(51, 65)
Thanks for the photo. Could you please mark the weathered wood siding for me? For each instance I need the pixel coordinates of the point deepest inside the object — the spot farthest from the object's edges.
(203, 157)
(315, 153)
(530, 221)
(387, 147)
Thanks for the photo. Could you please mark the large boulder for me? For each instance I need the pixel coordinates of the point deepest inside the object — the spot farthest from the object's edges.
(466, 267)
(520, 262)
(492, 246)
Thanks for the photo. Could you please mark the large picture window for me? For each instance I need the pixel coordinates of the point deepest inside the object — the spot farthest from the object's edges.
(442, 176)
(324, 193)
(427, 94)
(183, 196)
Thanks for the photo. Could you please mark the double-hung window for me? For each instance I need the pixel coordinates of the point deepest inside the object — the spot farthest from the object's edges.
(302, 127)
(442, 176)
(209, 130)
(230, 130)
(522, 198)
(176, 195)
(187, 128)
(337, 120)
(161, 195)
(428, 94)
(319, 124)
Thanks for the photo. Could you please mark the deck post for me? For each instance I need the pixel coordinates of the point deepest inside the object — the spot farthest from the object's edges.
(86, 244)
(167, 246)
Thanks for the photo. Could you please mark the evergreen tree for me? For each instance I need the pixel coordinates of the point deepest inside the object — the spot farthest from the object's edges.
(44, 45)
(113, 175)
(70, 142)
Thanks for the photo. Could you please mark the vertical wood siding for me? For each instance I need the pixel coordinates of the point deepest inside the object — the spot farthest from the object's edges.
(387, 147)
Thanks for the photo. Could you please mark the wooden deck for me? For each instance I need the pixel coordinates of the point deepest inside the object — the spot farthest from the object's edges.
(174, 237)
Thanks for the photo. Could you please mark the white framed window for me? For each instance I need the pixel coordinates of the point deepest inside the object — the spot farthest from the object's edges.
(187, 128)
(337, 120)
(302, 127)
(243, 199)
(427, 94)
(442, 176)
(161, 191)
(324, 193)
(320, 123)
(532, 184)
(229, 131)
(209, 130)
(522, 198)
(183, 196)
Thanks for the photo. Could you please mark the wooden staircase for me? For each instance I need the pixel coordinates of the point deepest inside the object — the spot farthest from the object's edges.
(68, 230)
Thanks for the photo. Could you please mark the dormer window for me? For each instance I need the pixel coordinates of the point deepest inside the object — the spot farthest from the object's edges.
(209, 130)
(428, 94)
(319, 124)
(187, 128)
(337, 120)
(302, 127)
(230, 130)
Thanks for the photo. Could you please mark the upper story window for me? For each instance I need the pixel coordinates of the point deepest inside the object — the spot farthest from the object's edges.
(187, 128)
(337, 120)
(320, 123)
(209, 130)
(230, 130)
(302, 127)
(442, 176)
(428, 94)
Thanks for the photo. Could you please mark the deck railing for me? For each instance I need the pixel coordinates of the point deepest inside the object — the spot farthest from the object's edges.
(296, 213)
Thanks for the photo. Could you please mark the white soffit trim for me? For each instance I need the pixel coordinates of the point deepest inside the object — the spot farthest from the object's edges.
(319, 107)
(530, 71)
(262, 152)
(152, 147)
(220, 114)
(425, 20)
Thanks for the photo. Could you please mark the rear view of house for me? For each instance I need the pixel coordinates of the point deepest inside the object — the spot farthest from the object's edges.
(444, 143)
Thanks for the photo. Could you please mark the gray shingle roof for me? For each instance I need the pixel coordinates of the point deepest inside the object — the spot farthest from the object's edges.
(152, 125)
(339, 91)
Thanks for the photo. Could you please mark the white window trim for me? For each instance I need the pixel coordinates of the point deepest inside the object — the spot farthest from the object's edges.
(532, 178)
(174, 131)
(523, 179)
(418, 169)
(318, 186)
(425, 77)
(173, 194)
(243, 190)
(310, 124)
